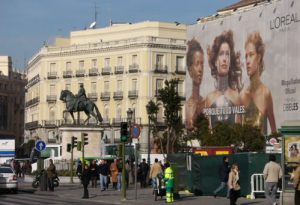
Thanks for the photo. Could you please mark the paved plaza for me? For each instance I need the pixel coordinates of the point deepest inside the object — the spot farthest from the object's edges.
(74, 191)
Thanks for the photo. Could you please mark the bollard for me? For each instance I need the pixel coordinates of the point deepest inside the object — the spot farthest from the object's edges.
(43, 181)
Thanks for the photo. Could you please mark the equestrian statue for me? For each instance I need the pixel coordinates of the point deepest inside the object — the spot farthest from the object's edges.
(79, 102)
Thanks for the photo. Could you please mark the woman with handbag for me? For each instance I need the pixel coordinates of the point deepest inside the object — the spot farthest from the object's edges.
(233, 184)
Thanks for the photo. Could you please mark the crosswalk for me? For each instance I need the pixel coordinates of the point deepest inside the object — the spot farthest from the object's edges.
(30, 199)
(23, 198)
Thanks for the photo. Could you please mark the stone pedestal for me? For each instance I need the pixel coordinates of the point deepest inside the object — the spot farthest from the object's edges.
(92, 149)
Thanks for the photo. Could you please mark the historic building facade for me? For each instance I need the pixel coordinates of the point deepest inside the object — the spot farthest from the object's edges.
(12, 98)
(121, 67)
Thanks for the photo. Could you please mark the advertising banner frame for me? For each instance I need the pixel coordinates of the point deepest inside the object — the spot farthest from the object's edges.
(262, 94)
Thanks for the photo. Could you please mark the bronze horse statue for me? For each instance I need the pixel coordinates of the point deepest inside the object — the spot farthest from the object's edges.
(87, 106)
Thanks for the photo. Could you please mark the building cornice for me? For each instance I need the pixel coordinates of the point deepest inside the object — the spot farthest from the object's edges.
(102, 47)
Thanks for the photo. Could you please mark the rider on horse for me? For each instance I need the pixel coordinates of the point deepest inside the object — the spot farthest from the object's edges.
(81, 97)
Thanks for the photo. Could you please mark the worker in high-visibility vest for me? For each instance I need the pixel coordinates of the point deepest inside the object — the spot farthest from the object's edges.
(169, 181)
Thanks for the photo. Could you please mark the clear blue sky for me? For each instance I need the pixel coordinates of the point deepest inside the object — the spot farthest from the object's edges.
(26, 24)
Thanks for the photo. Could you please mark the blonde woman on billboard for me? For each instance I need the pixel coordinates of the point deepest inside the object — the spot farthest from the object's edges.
(225, 68)
(194, 61)
(256, 98)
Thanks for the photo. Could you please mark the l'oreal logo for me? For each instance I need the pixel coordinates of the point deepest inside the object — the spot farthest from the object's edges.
(282, 21)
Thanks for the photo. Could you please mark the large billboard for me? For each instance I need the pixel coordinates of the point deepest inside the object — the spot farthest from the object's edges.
(245, 68)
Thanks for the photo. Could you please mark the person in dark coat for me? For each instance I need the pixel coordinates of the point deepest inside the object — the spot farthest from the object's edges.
(94, 173)
(79, 169)
(103, 172)
(144, 168)
(224, 170)
(85, 179)
(51, 174)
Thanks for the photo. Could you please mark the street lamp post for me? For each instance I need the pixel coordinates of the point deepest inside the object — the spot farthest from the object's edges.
(149, 132)
(129, 119)
(123, 187)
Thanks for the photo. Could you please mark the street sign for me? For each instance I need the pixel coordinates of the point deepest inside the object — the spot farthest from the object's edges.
(40, 145)
(135, 131)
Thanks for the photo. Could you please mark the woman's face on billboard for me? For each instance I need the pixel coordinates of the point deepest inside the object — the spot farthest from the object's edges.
(223, 60)
(196, 71)
(252, 59)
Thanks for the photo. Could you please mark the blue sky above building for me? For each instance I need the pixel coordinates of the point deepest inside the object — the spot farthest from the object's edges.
(27, 24)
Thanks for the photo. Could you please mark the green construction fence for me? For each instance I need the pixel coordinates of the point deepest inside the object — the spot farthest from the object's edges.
(200, 174)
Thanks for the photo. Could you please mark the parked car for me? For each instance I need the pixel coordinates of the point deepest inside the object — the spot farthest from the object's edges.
(8, 179)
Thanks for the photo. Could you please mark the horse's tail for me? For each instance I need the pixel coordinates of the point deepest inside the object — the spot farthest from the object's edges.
(99, 116)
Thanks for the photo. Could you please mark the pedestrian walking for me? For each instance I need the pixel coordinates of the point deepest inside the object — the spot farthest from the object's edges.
(17, 168)
(94, 173)
(51, 174)
(103, 173)
(155, 170)
(169, 181)
(23, 169)
(144, 168)
(120, 168)
(272, 173)
(296, 181)
(86, 176)
(224, 170)
(79, 169)
(114, 173)
(234, 184)
(127, 173)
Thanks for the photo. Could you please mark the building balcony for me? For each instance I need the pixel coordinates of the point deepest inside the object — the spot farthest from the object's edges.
(117, 121)
(119, 69)
(132, 94)
(106, 70)
(93, 72)
(32, 101)
(52, 75)
(136, 120)
(80, 73)
(33, 81)
(133, 68)
(118, 95)
(105, 96)
(93, 96)
(52, 140)
(161, 122)
(67, 74)
(51, 123)
(181, 95)
(105, 122)
(32, 125)
(161, 69)
(180, 70)
(51, 98)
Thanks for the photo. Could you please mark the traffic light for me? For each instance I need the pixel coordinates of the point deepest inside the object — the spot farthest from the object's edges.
(69, 147)
(74, 142)
(79, 146)
(84, 139)
(124, 131)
